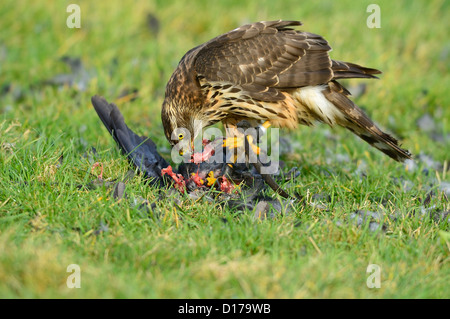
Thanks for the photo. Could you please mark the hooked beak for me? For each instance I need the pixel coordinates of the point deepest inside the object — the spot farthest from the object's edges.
(186, 150)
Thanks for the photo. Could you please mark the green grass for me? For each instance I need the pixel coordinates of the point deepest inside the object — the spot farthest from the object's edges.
(205, 251)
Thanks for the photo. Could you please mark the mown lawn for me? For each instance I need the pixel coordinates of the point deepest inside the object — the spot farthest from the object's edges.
(48, 128)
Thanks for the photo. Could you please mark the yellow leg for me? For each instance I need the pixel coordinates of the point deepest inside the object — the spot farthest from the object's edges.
(263, 127)
(266, 124)
(233, 142)
(236, 142)
(255, 148)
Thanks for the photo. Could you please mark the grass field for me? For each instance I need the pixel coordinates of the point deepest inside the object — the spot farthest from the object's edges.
(204, 250)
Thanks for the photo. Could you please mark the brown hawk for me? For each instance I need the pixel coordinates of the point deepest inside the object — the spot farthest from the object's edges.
(267, 72)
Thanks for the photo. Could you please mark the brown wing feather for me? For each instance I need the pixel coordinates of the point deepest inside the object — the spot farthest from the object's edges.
(264, 57)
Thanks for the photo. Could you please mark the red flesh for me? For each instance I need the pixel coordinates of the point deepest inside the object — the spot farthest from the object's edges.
(226, 186)
(180, 183)
(205, 155)
(197, 179)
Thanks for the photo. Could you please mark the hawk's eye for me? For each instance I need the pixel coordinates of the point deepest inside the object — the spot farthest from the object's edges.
(180, 136)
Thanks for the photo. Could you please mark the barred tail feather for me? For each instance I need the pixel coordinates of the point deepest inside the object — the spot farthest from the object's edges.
(381, 141)
(347, 70)
(360, 124)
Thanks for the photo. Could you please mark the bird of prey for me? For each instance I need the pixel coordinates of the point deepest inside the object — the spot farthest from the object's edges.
(267, 72)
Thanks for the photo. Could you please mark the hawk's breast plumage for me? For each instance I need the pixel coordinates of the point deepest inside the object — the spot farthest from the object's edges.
(267, 71)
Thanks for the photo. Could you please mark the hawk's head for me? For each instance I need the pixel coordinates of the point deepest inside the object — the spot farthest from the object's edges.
(181, 126)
